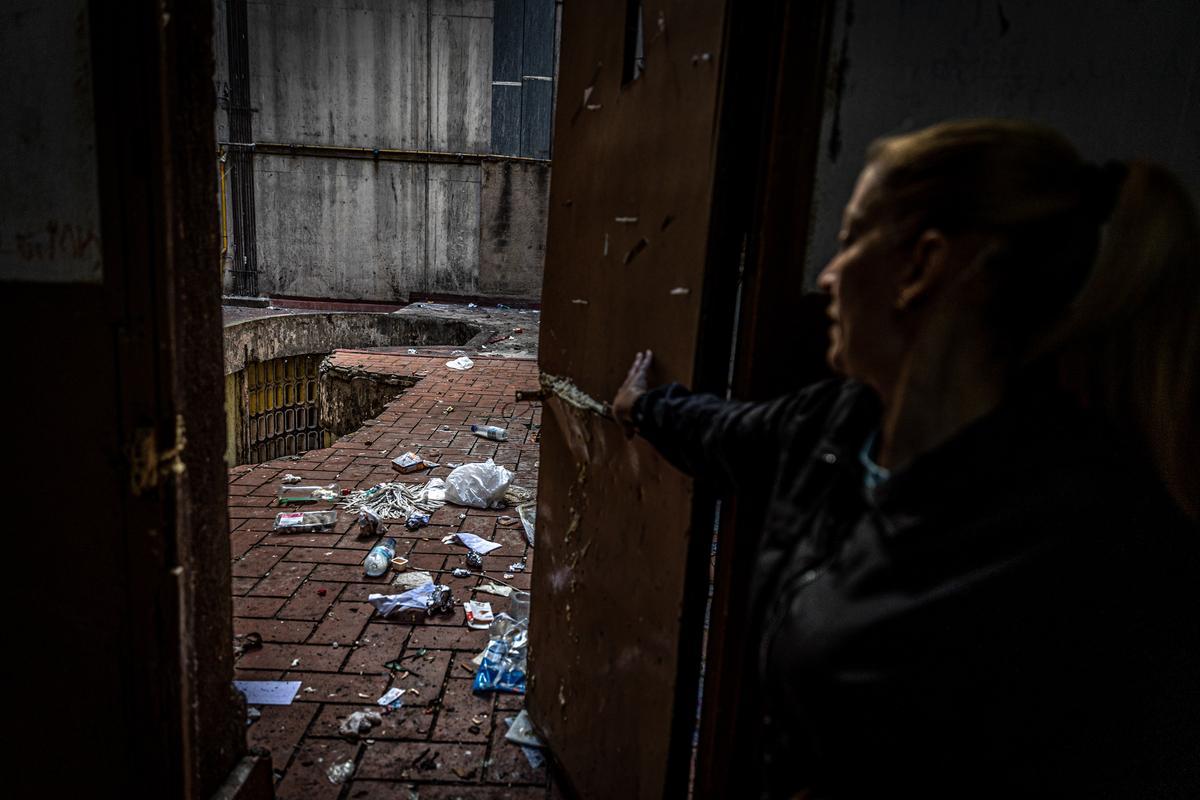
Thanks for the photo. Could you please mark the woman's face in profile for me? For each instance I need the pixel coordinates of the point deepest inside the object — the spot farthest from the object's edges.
(866, 342)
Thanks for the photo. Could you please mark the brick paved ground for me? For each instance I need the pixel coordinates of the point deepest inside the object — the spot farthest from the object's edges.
(304, 592)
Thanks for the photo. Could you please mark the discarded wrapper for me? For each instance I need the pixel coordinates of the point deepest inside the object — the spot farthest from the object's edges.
(474, 559)
(518, 566)
(417, 598)
(359, 723)
(494, 588)
(369, 523)
(520, 731)
(460, 572)
(503, 665)
(391, 698)
(440, 601)
(479, 615)
(460, 363)
(409, 462)
(417, 521)
(340, 772)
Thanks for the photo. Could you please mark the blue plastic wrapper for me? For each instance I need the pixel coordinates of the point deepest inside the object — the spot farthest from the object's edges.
(503, 667)
(417, 521)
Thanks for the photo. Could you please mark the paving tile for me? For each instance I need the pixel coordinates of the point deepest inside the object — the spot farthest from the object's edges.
(303, 592)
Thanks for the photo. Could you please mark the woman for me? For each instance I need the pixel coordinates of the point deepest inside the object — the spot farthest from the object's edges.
(972, 580)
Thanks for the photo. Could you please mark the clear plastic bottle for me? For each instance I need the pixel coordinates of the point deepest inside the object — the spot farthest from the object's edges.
(380, 556)
(490, 432)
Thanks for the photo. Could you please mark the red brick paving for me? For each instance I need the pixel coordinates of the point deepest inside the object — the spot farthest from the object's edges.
(305, 592)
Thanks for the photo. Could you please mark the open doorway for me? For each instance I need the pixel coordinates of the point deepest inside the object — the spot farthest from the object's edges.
(383, 177)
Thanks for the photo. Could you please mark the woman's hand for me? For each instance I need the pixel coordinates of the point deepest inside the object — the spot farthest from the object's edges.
(633, 388)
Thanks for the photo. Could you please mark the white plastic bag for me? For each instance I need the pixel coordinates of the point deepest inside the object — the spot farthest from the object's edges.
(478, 485)
(460, 363)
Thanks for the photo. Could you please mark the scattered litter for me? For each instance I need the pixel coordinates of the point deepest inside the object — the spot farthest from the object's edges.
(625, 220)
(479, 615)
(340, 772)
(295, 662)
(472, 305)
(506, 520)
(441, 601)
(577, 301)
(411, 580)
(454, 464)
(494, 588)
(305, 521)
(503, 665)
(399, 563)
(250, 641)
(520, 731)
(478, 485)
(268, 693)
(309, 690)
(474, 560)
(459, 572)
(391, 698)
(376, 562)
(399, 500)
(517, 566)
(681, 290)
(533, 756)
(409, 462)
(416, 521)
(493, 432)
(306, 494)
(528, 514)
(322, 592)
(369, 523)
(252, 714)
(412, 351)
(476, 543)
(290, 478)
(417, 598)
(359, 723)
(460, 363)
(508, 576)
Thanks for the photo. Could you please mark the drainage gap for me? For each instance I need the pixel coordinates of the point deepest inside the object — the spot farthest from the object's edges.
(288, 406)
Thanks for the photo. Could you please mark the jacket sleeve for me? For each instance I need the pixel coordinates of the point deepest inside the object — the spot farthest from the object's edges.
(730, 444)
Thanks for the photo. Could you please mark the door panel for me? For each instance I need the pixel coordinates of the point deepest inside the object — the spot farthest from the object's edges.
(615, 645)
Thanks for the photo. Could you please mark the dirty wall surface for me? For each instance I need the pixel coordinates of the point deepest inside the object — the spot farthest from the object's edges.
(415, 80)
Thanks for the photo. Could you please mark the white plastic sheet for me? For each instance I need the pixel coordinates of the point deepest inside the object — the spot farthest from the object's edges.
(478, 485)
(460, 363)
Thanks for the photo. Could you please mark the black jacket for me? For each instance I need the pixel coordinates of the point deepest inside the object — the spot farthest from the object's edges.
(1015, 613)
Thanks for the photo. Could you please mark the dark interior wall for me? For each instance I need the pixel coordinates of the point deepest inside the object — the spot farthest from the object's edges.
(1118, 78)
(122, 653)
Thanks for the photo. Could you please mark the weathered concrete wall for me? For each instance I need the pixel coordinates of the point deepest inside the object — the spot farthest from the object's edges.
(1117, 78)
(410, 75)
(515, 201)
(350, 396)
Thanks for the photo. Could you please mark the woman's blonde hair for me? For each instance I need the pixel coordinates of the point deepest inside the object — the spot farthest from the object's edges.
(1098, 268)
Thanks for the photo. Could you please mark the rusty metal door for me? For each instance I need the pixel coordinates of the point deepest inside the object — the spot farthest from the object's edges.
(645, 233)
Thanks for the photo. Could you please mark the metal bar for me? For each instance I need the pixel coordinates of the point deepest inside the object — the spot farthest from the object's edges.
(374, 153)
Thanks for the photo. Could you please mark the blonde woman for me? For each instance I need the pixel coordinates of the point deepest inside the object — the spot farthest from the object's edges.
(976, 575)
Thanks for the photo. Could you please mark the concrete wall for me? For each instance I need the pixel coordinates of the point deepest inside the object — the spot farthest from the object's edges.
(397, 75)
(1118, 78)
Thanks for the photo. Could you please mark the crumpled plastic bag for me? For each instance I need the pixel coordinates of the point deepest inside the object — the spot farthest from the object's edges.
(503, 666)
(478, 485)
(417, 598)
(360, 723)
(460, 363)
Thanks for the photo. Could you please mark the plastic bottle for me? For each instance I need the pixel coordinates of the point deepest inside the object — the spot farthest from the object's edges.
(490, 432)
(379, 557)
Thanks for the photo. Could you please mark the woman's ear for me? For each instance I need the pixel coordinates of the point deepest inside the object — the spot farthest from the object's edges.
(926, 269)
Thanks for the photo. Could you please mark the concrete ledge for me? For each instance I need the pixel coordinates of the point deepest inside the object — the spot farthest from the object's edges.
(284, 335)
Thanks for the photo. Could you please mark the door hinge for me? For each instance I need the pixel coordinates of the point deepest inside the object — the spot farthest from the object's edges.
(147, 464)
